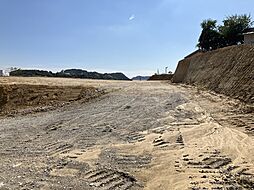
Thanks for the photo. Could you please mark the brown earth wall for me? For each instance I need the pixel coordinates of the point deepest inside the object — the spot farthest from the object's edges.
(228, 71)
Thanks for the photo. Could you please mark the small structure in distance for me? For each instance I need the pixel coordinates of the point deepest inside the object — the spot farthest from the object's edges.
(6, 72)
(249, 36)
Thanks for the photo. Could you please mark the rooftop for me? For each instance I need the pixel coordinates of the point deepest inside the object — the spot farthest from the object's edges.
(248, 31)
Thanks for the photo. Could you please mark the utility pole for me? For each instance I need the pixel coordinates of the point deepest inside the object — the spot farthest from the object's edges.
(166, 70)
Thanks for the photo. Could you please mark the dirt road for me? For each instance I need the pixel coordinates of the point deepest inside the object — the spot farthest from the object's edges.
(141, 135)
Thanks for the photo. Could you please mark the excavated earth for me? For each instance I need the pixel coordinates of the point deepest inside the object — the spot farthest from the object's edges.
(138, 135)
(228, 71)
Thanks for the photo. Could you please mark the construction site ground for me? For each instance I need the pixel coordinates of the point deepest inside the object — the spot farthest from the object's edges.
(117, 135)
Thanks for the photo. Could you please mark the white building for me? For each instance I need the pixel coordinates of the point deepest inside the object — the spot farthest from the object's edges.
(249, 36)
(4, 73)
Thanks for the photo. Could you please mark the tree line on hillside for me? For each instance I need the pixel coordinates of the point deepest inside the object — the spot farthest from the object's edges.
(69, 73)
(215, 36)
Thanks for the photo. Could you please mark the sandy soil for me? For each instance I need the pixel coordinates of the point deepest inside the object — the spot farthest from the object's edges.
(141, 135)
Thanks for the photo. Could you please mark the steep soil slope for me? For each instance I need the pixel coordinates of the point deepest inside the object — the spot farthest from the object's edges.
(229, 71)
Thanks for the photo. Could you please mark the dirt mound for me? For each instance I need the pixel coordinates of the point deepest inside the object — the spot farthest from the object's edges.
(16, 97)
(161, 77)
(229, 71)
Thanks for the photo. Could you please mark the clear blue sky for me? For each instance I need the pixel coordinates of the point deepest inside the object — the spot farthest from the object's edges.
(131, 36)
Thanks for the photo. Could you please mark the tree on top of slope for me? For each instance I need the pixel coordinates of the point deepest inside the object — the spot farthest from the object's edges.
(210, 37)
(230, 33)
(233, 27)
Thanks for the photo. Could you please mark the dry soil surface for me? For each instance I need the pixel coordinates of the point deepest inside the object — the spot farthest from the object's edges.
(141, 135)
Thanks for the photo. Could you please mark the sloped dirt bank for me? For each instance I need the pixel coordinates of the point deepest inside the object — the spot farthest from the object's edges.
(228, 71)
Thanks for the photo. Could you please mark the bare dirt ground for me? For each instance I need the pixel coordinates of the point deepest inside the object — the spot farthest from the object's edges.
(140, 135)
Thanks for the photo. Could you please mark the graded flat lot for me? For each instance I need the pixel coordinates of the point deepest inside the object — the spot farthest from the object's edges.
(140, 135)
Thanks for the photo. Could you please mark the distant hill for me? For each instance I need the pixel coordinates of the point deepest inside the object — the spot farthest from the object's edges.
(141, 78)
(70, 73)
(32, 73)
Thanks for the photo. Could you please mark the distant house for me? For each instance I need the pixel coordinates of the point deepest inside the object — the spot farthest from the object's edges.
(4, 73)
(249, 36)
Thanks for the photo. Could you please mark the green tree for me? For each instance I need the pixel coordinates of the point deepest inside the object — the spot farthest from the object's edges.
(233, 27)
(210, 37)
